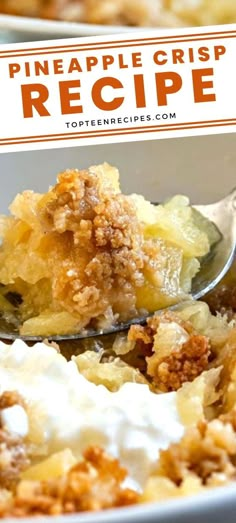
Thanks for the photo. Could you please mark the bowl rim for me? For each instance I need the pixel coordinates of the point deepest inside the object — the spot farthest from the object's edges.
(31, 25)
(207, 503)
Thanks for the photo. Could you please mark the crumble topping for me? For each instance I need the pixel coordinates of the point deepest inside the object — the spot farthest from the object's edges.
(183, 364)
(99, 256)
(171, 362)
(107, 256)
(93, 484)
(205, 457)
(13, 450)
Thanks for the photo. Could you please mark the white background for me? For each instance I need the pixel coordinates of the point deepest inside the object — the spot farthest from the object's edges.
(13, 124)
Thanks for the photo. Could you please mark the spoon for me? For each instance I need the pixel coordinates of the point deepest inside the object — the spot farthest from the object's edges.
(213, 268)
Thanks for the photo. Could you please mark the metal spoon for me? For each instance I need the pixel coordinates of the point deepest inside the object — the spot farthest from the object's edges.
(213, 268)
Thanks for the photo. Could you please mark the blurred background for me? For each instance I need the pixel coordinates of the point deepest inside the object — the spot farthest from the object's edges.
(22, 20)
(202, 167)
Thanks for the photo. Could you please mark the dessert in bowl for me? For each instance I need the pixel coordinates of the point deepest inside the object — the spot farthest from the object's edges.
(153, 416)
(145, 13)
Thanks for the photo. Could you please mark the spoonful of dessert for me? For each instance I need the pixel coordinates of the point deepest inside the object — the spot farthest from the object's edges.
(84, 259)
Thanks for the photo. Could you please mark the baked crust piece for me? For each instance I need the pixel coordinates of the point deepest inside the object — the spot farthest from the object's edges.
(180, 364)
(207, 451)
(13, 450)
(92, 485)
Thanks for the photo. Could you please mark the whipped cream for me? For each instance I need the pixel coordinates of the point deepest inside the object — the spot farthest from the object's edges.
(67, 410)
(15, 420)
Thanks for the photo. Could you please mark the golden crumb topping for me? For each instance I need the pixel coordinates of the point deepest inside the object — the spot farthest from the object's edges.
(13, 450)
(171, 362)
(207, 451)
(93, 484)
(13, 458)
(182, 365)
(105, 242)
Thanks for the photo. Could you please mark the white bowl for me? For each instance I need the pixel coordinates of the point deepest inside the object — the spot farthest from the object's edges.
(22, 29)
(214, 506)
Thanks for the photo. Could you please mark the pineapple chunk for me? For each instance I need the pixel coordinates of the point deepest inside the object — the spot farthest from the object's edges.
(146, 211)
(175, 223)
(190, 268)
(24, 207)
(20, 265)
(13, 231)
(55, 466)
(193, 398)
(161, 287)
(151, 300)
(111, 374)
(50, 323)
(207, 227)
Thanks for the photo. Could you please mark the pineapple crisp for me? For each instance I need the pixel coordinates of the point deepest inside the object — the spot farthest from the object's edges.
(58, 454)
(85, 255)
(139, 417)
